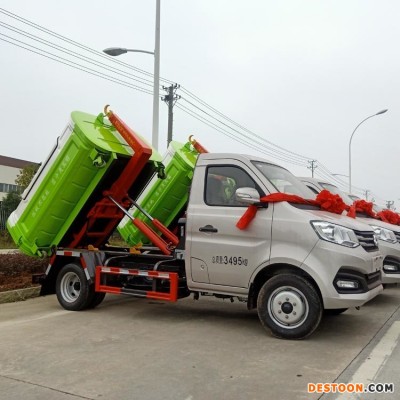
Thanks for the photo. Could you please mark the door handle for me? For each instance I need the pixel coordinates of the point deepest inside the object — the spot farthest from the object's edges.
(208, 228)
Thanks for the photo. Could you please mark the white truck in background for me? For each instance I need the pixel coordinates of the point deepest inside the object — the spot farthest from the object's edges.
(388, 234)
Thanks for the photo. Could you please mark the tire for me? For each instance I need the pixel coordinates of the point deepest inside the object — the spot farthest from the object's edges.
(289, 306)
(335, 311)
(97, 299)
(73, 290)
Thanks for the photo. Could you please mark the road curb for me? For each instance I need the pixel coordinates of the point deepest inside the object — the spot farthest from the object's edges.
(19, 294)
(9, 251)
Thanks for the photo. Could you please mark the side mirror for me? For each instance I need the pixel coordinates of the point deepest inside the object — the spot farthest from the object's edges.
(247, 195)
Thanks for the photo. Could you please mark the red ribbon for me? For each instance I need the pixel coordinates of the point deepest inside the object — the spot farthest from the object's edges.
(327, 201)
(364, 207)
(385, 215)
(389, 216)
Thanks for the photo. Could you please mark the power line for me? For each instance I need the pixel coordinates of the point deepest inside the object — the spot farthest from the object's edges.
(303, 158)
(284, 154)
(323, 170)
(74, 65)
(231, 135)
(76, 55)
(74, 43)
(271, 149)
(70, 63)
(288, 156)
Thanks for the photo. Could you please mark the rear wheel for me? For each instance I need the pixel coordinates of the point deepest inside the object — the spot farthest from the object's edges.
(289, 306)
(73, 290)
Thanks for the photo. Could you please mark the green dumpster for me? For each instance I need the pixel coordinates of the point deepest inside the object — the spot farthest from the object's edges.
(78, 166)
(164, 199)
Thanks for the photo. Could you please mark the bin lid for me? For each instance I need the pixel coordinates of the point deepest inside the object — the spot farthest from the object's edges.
(184, 152)
(103, 134)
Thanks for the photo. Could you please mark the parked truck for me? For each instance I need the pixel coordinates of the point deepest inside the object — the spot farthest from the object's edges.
(290, 263)
(388, 234)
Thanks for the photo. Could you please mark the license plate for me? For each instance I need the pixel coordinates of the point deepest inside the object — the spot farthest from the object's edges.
(377, 263)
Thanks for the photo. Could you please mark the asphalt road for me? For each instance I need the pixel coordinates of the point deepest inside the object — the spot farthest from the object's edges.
(131, 348)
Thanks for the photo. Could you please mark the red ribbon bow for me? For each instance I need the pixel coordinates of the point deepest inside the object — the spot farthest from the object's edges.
(326, 200)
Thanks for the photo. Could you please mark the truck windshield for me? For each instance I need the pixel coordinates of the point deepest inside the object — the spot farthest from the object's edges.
(283, 180)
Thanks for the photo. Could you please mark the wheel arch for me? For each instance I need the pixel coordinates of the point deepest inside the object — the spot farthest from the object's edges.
(275, 269)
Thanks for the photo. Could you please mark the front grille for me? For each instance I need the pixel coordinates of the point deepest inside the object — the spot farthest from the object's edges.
(367, 240)
(397, 236)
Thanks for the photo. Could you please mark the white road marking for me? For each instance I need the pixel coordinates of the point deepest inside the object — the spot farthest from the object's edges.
(370, 368)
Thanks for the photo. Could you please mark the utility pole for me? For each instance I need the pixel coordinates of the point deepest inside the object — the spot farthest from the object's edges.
(171, 98)
(389, 204)
(312, 166)
(366, 193)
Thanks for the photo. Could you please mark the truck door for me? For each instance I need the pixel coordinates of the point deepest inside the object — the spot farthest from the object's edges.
(220, 253)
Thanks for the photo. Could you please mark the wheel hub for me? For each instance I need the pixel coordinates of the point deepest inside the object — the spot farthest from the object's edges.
(70, 287)
(288, 307)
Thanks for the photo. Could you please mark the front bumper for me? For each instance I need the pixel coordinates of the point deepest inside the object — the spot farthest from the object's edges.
(391, 262)
(351, 300)
(327, 261)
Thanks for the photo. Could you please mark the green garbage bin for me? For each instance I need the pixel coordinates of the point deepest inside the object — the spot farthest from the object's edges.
(164, 199)
(88, 149)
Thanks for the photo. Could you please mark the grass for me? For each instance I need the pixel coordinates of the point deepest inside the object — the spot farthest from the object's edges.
(6, 241)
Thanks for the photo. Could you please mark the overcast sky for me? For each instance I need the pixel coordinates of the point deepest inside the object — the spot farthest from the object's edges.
(301, 74)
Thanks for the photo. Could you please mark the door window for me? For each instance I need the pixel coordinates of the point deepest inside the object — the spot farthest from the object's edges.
(222, 182)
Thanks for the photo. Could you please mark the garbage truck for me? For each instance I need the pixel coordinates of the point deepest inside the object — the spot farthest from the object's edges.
(228, 225)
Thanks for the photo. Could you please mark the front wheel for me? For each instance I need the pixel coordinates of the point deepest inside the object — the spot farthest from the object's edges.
(73, 290)
(289, 306)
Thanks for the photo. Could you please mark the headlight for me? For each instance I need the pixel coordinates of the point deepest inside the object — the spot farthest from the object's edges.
(335, 233)
(384, 234)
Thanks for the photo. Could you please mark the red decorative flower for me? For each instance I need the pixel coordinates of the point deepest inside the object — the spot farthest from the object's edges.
(365, 207)
(389, 216)
(331, 202)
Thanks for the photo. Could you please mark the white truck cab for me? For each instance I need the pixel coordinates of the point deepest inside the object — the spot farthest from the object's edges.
(388, 234)
(291, 262)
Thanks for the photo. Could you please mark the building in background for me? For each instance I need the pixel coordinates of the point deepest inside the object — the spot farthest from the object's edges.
(10, 168)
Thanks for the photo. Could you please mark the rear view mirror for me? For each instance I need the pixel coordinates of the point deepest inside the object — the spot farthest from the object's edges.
(247, 195)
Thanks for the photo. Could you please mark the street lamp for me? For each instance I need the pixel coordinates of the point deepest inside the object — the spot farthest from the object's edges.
(116, 51)
(351, 138)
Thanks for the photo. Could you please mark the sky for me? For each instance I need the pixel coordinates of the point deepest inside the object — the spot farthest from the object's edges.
(299, 74)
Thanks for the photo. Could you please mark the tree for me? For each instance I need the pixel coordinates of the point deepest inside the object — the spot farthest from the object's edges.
(26, 174)
(10, 202)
